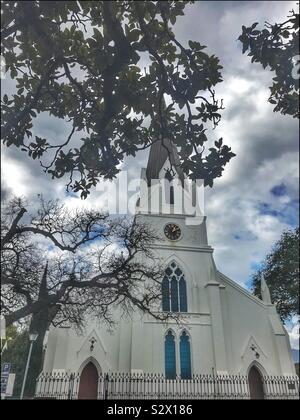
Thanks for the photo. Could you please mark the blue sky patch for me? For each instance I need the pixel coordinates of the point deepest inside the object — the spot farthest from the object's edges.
(288, 213)
(279, 190)
(265, 208)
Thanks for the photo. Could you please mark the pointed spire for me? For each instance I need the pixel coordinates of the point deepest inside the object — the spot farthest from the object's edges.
(265, 292)
(160, 151)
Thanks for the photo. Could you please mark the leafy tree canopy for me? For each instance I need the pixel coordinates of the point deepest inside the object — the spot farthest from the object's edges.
(107, 67)
(281, 271)
(277, 47)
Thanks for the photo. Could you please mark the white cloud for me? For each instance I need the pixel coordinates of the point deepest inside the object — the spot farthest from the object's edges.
(16, 177)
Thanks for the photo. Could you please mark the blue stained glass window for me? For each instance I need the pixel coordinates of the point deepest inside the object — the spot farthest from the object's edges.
(170, 356)
(182, 295)
(185, 357)
(174, 292)
(174, 295)
(165, 294)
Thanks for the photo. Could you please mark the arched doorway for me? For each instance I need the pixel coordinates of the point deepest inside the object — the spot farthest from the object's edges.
(256, 386)
(88, 385)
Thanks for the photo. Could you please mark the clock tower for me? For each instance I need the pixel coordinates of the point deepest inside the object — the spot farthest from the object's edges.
(170, 201)
(174, 208)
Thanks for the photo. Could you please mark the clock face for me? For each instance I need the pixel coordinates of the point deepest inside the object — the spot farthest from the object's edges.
(172, 231)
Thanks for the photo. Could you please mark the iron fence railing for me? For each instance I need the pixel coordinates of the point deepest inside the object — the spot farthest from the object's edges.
(155, 386)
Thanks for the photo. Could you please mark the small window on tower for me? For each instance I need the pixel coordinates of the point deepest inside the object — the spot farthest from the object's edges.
(171, 194)
(169, 188)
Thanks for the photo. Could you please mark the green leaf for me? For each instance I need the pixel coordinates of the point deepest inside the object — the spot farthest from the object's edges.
(13, 73)
(219, 143)
(134, 35)
(173, 19)
(245, 46)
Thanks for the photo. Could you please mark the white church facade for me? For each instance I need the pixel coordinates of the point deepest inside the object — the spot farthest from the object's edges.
(224, 330)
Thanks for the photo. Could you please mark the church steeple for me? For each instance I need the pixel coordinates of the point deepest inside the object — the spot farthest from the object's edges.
(164, 187)
(160, 152)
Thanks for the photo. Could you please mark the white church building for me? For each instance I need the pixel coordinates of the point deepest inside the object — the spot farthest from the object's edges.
(224, 330)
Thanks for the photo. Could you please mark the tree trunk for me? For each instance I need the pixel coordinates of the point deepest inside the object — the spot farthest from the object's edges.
(39, 325)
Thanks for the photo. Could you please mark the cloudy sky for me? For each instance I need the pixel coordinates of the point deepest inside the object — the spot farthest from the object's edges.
(257, 198)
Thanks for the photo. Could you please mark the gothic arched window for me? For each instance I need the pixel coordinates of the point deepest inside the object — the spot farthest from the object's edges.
(169, 188)
(182, 295)
(174, 296)
(170, 356)
(165, 294)
(185, 356)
